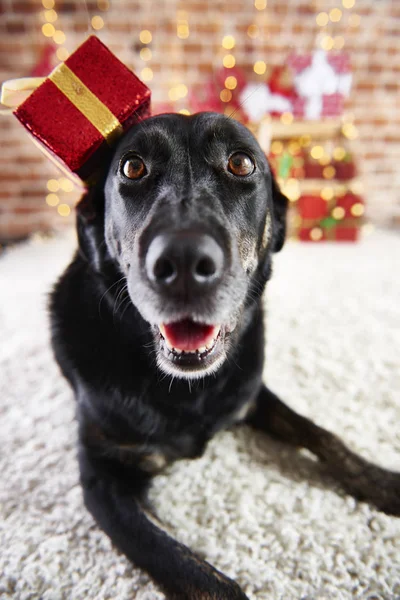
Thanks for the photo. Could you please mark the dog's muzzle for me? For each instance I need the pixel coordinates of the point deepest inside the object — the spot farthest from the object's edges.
(184, 269)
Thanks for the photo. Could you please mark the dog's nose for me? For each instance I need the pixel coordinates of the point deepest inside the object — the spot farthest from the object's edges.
(183, 259)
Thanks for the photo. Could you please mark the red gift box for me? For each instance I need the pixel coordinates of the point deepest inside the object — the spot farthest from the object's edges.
(319, 223)
(337, 234)
(313, 170)
(82, 108)
(332, 105)
(347, 202)
(330, 92)
(345, 169)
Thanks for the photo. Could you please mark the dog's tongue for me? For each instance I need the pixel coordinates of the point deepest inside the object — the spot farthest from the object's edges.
(188, 336)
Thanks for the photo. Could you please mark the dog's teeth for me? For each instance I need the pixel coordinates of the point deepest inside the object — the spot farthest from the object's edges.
(202, 349)
(177, 351)
(162, 330)
(210, 345)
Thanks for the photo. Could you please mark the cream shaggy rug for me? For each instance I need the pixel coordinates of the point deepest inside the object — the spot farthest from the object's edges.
(263, 513)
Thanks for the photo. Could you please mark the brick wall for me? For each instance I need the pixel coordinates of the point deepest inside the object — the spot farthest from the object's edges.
(370, 30)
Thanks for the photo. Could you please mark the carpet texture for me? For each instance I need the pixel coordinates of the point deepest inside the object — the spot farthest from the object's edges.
(265, 514)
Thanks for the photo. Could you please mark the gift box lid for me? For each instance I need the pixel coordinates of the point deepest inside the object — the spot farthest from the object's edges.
(84, 105)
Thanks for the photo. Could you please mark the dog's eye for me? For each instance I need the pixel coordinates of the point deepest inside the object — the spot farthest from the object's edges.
(134, 168)
(241, 164)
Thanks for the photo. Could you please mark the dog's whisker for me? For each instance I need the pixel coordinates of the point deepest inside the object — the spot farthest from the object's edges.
(128, 304)
(120, 298)
(230, 359)
(108, 290)
(148, 345)
(170, 383)
(230, 116)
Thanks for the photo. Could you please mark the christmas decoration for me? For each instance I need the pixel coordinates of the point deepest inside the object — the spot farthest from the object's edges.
(321, 81)
(281, 82)
(287, 159)
(84, 105)
(344, 166)
(309, 87)
(316, 171)
(335, 219)
(257, 101)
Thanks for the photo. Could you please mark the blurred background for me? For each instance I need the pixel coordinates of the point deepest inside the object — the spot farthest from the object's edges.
(317, 81)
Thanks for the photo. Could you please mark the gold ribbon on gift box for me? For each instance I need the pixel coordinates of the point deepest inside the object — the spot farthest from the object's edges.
(16, 91)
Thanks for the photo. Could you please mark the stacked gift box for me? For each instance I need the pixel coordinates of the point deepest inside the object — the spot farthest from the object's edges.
(337, 219)
(320, 179)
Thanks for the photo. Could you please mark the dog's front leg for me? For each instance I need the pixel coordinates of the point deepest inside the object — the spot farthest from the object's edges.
(112, 495)
(359, 477)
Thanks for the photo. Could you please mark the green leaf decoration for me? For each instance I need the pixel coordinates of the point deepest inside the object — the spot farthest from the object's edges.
(328, 223)
(285, 164)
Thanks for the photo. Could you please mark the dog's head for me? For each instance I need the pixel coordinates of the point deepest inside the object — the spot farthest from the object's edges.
(189, 213)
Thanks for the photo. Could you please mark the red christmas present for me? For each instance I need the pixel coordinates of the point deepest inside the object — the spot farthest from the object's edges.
(335, 220)
(347, 234)
(312, 207)
(83, 107)
(339, 233)
(322, 81)
(332, 105)
(298, 105)
(313, 170)
(345, 168)
(352, 205)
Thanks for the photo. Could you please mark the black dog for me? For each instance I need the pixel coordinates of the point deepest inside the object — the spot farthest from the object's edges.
(158, 326)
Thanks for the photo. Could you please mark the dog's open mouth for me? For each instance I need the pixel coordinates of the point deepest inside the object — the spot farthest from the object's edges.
(189, 337)
(188, 348)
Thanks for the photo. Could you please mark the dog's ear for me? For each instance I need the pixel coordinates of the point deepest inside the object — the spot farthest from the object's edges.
(90, 226)
(280, 204)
